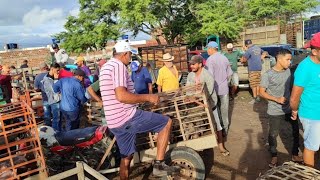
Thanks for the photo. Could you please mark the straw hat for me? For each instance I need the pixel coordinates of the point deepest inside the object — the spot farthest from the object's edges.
(167, 57)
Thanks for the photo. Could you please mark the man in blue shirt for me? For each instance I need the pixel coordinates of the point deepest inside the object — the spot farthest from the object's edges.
(38, 86)
(141, 78)
(72, 98)
(253, 57)
(305, 100)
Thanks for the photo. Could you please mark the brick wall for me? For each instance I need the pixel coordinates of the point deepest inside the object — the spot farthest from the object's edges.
(36, 56)
(16, 57)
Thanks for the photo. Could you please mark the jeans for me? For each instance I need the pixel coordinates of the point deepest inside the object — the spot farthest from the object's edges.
(72, 119)
(223, 104)
(52, 110)
(274, 126)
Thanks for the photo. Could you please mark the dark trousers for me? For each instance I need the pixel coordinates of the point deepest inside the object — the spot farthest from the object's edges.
(72, 119)
(274, 127)
(52, 110)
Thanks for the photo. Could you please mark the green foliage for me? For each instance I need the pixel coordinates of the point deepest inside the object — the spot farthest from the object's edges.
(175, 20)
(220, 17)
(95, 25)
(259, 9)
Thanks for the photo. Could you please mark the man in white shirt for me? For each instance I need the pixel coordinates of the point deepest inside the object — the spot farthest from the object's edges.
(60, 54)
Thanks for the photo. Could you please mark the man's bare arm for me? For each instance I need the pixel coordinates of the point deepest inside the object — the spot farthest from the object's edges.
(159, 89)
(295, 100)
(243, 59)
(126, 97)
(295, 97)
(150, 88)
(94, 94)
(264, 94)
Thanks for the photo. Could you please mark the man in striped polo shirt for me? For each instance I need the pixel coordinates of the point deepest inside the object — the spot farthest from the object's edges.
(123, 117)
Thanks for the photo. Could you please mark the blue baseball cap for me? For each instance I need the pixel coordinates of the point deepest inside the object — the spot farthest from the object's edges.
(212, 44)
(134, 65)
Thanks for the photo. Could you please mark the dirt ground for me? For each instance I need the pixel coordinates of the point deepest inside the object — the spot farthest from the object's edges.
(247, 143)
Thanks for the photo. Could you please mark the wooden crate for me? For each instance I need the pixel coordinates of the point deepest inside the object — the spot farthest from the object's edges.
(34, 100)
(291, 171)
(79, 171)
(20, 148)
(94, 113)
(191, 112)
(155, 53)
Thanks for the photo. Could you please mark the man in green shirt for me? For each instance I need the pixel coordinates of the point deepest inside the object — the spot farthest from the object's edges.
(93, 92)
(233, 57)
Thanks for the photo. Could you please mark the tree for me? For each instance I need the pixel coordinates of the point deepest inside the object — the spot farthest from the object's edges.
(219, 17)
(95, 25)
(259, 9)
(175, 20)
(103, 20)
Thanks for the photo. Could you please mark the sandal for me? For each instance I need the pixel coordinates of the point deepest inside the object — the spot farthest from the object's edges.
(300, 161)
(273, 163)
(225, 153)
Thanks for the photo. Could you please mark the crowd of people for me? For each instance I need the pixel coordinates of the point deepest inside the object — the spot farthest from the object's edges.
(119, 91)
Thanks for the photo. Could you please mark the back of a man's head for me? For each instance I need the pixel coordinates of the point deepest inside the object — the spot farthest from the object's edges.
(248, 42)
(55, 65)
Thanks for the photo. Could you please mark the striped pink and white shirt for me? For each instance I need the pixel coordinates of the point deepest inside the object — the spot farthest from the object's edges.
(115, 74)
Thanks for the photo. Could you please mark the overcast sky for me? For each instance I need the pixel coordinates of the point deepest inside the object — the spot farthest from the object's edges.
(32, 22)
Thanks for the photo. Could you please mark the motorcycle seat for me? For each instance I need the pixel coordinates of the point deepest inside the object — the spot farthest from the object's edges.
(75, 136)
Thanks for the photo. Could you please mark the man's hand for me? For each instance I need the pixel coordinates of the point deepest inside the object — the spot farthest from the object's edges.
(294, 115)
(154, 99)
(281, 100)
(99, 104)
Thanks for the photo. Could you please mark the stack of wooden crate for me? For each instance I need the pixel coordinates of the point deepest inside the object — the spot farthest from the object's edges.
(92, 65)
(20, 149)
(155, 53)
(291, 32)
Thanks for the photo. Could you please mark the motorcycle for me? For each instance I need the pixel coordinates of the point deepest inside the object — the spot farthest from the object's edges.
(63, 149)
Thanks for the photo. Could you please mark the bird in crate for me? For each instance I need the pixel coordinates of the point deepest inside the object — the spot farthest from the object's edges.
(192, 126)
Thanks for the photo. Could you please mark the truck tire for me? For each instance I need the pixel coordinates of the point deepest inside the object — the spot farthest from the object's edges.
(191, 163)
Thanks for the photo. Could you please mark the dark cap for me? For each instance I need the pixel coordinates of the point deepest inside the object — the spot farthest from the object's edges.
(247, 42)
(79, 72)
(196, 59)
(55, 46)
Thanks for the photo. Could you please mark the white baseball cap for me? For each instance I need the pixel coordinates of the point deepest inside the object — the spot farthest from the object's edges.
(229, 46)
(123, 46)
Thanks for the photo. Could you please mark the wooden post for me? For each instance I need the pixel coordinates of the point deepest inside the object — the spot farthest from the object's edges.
(279, 28)
(180, 120)
(106, 153)
(265, 29)
(80, 171)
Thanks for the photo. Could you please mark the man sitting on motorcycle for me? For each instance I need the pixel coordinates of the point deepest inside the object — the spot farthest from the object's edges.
(123, 117)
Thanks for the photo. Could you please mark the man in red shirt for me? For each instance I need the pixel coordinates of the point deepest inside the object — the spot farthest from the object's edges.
(63, 72)
(5, 83)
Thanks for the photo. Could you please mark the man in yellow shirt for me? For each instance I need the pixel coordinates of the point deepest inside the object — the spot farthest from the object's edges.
(168, 78)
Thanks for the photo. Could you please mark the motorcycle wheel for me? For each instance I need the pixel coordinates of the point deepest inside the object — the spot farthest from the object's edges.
(191, 163)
